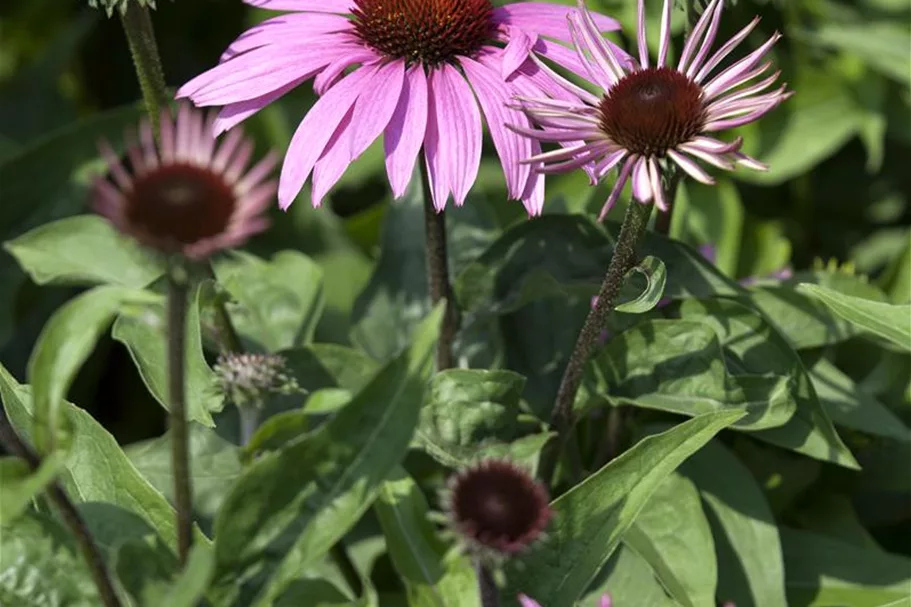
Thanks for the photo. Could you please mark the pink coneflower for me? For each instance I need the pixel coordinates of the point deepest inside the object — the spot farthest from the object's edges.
(186, 195)
(527, 602)
(422, 69)
(652, 117)
(497, 507)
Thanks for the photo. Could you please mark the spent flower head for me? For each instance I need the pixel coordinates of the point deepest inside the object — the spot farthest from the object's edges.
(497, 508)
(247, 379)
(424, 72)
(653, 117)
(188, 194)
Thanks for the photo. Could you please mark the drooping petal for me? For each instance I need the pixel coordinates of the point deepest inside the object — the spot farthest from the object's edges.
(404, 134)
(622, 178)
(314, 132)
(654, 180)
(298, 28)
(372, 112)
(493, 94)
(516, 52)
(692, 169)
(642, 185)
(453, 139)
(546, 19)
(533, 196)
(316, 6)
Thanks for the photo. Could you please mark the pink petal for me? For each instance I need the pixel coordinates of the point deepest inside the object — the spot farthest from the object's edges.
(527, 602)
(642, 190)
(235, 113)
(333, 162)
(622, 178)
(372, 112)
(516, 52)
(314, 132)
(665, 34)
(253, 74)
(404, 134)
(317, 6)
(294, 28)
(453, 139)
(493, 95)
(545, 19)
(332, 72)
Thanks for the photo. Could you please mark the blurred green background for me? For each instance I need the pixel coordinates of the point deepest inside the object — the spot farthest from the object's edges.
(838, 189)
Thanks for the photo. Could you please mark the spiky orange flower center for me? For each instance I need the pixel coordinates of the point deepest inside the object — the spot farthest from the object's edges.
(429, 32)
(181, 203)
(651, 111)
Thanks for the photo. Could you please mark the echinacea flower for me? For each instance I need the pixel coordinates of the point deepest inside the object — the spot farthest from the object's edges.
(651, 117)
(421, 70)
(187, 194)
(527, 602)
(497, 507)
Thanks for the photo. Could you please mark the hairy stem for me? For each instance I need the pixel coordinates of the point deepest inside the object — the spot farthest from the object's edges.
(249, 421)
(137, 24)
(624, 258)
(71, 517)
(438, 272)
(180, 452)
(487, 587)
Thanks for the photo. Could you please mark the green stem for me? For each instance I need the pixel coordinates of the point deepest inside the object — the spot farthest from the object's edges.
(438, 272)
(249, 421)
(68, 512)
(487, 587)
(137, 24)
(180, 453)
(623, 258)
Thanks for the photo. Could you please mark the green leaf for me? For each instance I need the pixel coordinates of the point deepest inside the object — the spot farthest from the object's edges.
(630, 580)
(273, 310)
(750, 567)
(673, 536)
(826, 572)
(655, 275)
(889, 321)
(679, 366)
(432, 578)
(214, 466)
(395, 300)
(96, 468)
(84, 250)
(591, 518)
(805, 130)
(65, 343)
(20, 484)
(144, 333)
(714, 215)
(561, 255)
(153, 577)
(320, 484)
(42, 566)
(752, 346)
(851, 406)
(879, 44)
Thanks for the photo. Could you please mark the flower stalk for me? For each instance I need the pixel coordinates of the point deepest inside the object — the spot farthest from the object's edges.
(487, 587)
(438, 272)
(180, 452)
(68, 512)
(137, 24)
(623, 259)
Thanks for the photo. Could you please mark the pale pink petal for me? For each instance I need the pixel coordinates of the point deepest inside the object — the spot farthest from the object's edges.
(404, 134)
(622, 178)
(606, 601)
(493, 95)
(317, 6)
(235, 113)
(333, 71)
(642, 186)
(699, 72)
(533, 196)
(602, 52)
(641, 38)
(711, 14)
(691, 168)
(527, 602)
(314, 132)
(654, 180)
(453, 139)
(665, 44)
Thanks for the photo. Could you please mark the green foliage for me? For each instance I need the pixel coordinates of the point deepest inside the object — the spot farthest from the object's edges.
(742, 432)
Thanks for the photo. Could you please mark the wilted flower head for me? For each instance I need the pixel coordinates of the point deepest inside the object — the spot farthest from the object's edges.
(652, 116)
(527, 602)
(247, 379)
(497, 507)
(186, 194)
(423, 68)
